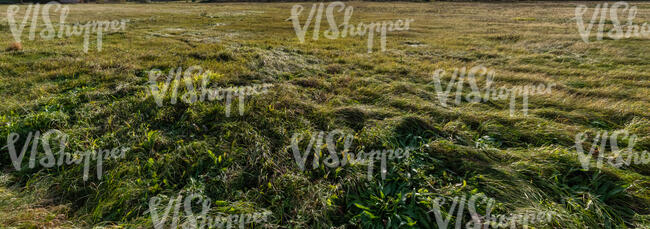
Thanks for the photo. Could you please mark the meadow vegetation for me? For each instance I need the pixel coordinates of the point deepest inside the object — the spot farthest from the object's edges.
(386, 99)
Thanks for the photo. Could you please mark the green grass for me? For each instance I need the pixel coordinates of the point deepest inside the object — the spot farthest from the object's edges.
(524, 162)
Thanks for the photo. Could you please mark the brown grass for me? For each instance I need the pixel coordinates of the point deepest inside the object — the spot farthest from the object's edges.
(15, 46)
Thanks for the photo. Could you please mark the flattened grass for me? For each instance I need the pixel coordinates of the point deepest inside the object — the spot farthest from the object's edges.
(524, 162)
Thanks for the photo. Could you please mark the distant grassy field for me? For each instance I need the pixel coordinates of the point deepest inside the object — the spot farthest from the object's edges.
(386, 99)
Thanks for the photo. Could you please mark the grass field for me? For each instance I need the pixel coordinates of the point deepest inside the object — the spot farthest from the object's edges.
(244, 163)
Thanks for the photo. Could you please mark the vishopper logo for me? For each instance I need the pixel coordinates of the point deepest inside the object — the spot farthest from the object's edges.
(618, 30)
(462, 75)
(48, 160)
(34, 10)
(191, 94)
(205, 219)
(345, 29)
(334, 159)
(617, 156)
(444, 208)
